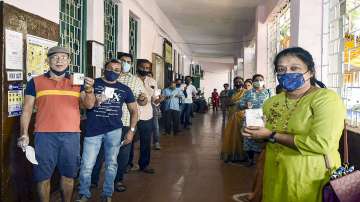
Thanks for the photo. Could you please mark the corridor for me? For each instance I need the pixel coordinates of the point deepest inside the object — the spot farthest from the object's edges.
(188, 169)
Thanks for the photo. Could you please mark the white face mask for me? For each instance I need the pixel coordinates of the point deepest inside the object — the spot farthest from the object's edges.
(126, 67)
(258, 84)
(262, 83)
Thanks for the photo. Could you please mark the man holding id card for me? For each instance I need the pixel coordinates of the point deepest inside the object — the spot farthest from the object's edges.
(104, 126)
(57, 99)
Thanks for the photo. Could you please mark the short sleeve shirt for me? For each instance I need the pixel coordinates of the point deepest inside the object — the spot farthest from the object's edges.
(106, 115)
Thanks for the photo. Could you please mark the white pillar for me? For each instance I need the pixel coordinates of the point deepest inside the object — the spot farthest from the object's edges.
(95, 17)
(261, 41)
(249, 62)
(306, 27)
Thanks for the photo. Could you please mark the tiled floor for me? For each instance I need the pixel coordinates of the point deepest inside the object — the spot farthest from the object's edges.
(188, 169)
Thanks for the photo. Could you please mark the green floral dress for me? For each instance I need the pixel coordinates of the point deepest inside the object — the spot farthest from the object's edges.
(316, 120)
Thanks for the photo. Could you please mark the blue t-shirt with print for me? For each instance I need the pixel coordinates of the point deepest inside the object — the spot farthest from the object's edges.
(106, 117)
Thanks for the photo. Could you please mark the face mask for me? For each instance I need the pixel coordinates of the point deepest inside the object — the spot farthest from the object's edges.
(126, 67)
(258, 84)
(110, 75)
(238, 85)
(142, 72)
(57, 73)
(178, 85)
(291, 81)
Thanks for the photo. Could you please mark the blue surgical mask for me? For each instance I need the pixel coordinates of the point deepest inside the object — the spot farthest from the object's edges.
(126, 67)
(291, 81)
(110, 75)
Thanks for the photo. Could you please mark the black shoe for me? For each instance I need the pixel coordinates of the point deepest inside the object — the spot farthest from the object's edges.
(93, 185)
(120, 187)
(148, 170)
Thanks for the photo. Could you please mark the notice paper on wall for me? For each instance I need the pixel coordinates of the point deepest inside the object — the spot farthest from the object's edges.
(37, 49)
(15, 99)
(254, 117)
(14, 50)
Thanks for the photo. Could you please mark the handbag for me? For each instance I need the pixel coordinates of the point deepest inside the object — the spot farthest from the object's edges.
(345, 188)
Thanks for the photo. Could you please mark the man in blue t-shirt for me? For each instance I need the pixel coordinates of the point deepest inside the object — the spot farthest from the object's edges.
(103, 126)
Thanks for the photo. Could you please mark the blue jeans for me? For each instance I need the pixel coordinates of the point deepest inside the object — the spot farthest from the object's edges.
(91, 149)
(122, 160)
(185, 116)
(156, 132)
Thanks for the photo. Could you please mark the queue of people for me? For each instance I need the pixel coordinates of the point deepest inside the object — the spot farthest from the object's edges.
(118, 105)
(293, 153)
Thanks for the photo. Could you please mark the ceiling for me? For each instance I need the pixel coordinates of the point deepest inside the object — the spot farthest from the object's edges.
(210, 27)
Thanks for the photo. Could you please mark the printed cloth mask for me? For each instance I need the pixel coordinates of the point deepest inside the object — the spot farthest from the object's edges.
(291, 81)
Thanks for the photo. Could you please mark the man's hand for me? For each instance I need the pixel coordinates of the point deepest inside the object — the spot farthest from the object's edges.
(129, 137)
(142, 99)
(88, 86)
(23, 141)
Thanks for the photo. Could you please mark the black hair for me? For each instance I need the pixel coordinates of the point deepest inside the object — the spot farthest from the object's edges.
(238, 77)
(257, 75)
(123, 54)
(113, 60)
(248, 81)
(226, 84)
(139, 62)
(188, 77)
(304, 56)
(279, 89)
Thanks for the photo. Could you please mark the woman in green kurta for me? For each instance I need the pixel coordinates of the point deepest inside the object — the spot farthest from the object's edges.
(304, 126)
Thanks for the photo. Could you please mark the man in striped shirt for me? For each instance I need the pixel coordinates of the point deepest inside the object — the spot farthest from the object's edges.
(57, 125)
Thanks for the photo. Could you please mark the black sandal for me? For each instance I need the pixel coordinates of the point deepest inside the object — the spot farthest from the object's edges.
(120, 187)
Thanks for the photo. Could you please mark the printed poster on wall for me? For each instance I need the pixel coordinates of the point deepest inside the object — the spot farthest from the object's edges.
(37, 49)
(15, 99)
(14, 50)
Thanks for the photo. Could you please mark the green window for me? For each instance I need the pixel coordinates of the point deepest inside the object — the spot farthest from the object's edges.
(133, 29)
(110, 33)
(73, 32)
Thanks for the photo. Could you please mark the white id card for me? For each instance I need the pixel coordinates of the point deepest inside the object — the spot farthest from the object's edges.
(78, 79)
(254, 117)
(109, 92)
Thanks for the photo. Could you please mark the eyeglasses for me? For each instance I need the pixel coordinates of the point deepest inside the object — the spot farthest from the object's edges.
(56, 57)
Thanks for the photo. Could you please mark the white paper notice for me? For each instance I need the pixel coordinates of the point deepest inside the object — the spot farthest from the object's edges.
(254, 117)
(14, 50)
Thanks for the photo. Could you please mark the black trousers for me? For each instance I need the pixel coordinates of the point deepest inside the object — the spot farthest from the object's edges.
(172, 119)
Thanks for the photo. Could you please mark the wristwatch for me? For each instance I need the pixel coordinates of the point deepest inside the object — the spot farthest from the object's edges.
(272, 137)
(132, 129)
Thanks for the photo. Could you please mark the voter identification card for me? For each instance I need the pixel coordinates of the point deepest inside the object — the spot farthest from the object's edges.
(109, 92)
(78, 79)
(254, 117)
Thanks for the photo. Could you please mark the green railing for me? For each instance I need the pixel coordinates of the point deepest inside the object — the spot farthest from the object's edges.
(110, 33)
